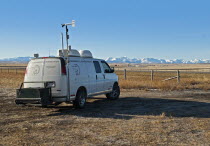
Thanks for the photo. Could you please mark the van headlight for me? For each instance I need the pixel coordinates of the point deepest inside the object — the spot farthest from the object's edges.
(50, 84)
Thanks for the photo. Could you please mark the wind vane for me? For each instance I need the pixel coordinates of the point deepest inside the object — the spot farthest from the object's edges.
(67, 35)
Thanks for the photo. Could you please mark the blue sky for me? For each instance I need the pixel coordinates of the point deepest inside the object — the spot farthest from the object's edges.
(165, 29)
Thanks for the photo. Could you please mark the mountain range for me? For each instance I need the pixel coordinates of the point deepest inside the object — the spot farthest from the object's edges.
(155, 61)
(124, 60)
(16, 59)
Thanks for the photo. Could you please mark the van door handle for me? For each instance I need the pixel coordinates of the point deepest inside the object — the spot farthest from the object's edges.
(96, 77)
(104, 76)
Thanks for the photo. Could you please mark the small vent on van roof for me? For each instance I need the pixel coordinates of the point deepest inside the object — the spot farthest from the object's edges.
(85, 53)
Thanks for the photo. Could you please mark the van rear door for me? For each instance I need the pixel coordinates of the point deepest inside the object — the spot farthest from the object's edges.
(47, 70)
(34, 73)
(52, 68)
(55, 71)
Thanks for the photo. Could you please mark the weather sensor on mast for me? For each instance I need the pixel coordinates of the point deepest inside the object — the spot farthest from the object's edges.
(67, 35)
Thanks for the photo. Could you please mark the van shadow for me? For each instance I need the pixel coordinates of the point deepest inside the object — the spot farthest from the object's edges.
(129, 107)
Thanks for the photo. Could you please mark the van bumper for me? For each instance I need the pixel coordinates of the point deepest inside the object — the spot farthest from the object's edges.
(34, 95)
(27, 100)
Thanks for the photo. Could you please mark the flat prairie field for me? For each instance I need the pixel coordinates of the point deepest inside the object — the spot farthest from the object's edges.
(138, 117)
(142, 80)
(13, 64)
(147, 113)
(134, 80)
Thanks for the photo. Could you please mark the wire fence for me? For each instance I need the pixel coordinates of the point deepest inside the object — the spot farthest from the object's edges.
(12, 69)
(141, 74)
(163, 74)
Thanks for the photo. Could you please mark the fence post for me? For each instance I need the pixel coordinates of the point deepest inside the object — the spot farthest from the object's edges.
(152, 75)
(178, 76)
(125, 76)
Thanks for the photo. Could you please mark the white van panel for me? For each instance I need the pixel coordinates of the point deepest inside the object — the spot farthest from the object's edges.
(52, 67)
(91, 77)
(78, 76)
(46, 70)
(34, 73)
(52, 72)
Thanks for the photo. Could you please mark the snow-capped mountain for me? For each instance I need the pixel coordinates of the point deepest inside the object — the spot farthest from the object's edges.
(16, 59)
(155, 61)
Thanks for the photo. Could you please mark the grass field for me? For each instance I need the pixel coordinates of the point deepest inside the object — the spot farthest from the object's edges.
(169, 116)
(137, 118)
(11, 80)
(159, 66)
(135, 80)
(142, 80)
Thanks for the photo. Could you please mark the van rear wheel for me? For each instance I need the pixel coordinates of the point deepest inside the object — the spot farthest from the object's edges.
(115, 92)
(80, 100)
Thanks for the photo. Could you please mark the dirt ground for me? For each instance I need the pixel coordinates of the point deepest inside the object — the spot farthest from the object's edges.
(137, 118)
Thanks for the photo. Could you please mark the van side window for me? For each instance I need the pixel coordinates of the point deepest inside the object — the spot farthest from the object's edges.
(105, 66)
(97, 66)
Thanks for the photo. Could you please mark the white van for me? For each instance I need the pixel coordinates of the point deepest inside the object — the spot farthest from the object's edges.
(52, 80)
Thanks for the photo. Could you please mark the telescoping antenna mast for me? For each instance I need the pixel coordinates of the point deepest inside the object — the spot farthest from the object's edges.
(68, 51)
(62, 42)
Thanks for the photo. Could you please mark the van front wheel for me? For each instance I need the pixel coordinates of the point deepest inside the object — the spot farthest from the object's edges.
(80, 100)
(115, 93)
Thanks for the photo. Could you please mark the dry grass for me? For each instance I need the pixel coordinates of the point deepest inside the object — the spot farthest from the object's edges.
(137, 118)
(13, 64)
(142, 80)
(135, 80)
(11, 80)
(158, 66)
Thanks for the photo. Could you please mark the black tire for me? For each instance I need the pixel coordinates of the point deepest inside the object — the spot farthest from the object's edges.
(115, 94)
(80, 100)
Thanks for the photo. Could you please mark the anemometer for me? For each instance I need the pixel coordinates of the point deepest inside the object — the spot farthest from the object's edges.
(67, 35)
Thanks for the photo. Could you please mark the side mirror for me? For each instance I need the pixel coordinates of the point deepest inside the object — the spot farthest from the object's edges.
(107, 71)
(112, 70)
